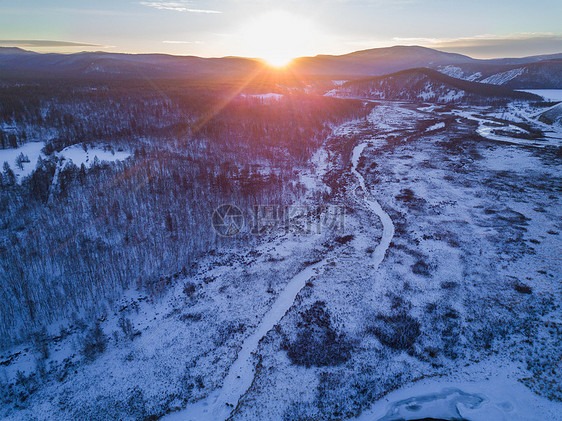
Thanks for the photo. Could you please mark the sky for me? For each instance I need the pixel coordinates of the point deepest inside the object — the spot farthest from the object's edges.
(278, 30)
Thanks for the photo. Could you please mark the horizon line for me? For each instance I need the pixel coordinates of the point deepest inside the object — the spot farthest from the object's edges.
(80, 44)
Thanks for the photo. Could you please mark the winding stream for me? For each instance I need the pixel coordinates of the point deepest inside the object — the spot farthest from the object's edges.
(374, 205)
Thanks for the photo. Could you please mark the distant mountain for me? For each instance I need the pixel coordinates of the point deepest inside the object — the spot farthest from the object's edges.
(14, 51)
(427, 85)
(382, 61)
(14, 61)
(545, 74)
(529, 72)
(377, 61)
(523, 60)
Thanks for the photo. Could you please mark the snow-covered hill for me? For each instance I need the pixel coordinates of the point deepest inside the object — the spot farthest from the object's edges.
(546, 74)
(426, 85)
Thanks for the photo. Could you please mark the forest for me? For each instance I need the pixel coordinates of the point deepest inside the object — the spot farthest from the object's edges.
(72, 239)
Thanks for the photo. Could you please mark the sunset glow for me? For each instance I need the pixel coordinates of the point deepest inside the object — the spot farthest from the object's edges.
(278, 37)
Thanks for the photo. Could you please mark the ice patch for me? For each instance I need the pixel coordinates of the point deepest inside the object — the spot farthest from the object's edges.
(499, 398)
(547, 94)
(444, 405)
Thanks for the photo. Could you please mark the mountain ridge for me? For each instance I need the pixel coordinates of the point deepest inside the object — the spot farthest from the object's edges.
(371, 62)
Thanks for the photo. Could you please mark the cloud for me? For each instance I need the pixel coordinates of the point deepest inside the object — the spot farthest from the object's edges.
(182, 42)
(44, 43)
(178, 6)
(490, 46)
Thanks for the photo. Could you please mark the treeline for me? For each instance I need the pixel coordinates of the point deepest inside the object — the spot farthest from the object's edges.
(70, 242)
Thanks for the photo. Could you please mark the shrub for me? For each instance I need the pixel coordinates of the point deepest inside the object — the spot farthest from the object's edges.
(398, 332)
(95, 342)
(409, 198)
(522, 288)
(449, 285)
(40, 342)
(344, 239)
(189, 289)
(301, 411)
(227, 331)
(421, 268)
(21, 159)
(191, 317)
(127, 327)
(317, 343)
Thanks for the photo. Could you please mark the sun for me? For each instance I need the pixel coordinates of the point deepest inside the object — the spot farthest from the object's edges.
(279, 60)
(278, 37)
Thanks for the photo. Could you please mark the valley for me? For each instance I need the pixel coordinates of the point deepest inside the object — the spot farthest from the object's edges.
(447, 269)
(280, 210)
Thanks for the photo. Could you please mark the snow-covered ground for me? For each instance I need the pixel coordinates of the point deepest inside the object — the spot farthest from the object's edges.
(75, 153)
(312, 177)
(87, 156)
(503, 77)
(451, 238)
(500, 131)
(436, 126)
(31, 150)
(457, 72)
(269, 97)
(454, 239)
(219, 405)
